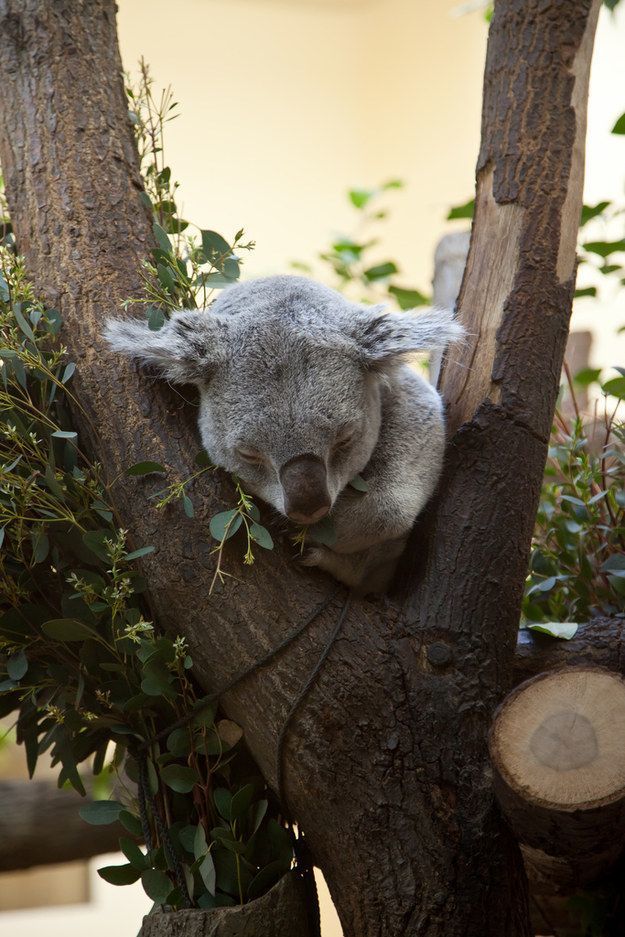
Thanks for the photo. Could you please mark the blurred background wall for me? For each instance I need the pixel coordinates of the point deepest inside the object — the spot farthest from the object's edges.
(285, 104)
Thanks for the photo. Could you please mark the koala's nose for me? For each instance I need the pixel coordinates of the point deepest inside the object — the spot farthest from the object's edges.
(304, 483)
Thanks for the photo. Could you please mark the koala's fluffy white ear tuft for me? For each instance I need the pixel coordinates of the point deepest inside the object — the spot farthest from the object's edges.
(185, 350)
(386, 337)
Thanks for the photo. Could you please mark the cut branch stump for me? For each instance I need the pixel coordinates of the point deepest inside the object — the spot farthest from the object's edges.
(282, 911)
(557, 747)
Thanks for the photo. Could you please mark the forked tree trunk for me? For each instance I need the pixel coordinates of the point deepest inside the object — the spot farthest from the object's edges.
(387, 767)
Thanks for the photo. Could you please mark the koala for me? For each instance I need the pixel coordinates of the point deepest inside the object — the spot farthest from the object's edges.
(300, 391)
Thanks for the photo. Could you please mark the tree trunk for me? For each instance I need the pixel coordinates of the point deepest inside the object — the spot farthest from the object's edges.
(40, 824)
(386, 761)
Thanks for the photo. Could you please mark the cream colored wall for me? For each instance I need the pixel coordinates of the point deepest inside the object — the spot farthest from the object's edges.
(285, 105)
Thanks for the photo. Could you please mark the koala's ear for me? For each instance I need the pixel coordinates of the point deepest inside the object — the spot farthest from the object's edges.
(384, 338)
(185, 350)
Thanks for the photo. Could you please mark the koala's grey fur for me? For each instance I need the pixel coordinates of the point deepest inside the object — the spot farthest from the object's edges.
(286, 366)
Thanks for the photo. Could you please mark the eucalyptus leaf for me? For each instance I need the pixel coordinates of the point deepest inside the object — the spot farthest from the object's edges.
(556, 629)
(119, 874)
(101, 812)
(67, 629)
(146, 468)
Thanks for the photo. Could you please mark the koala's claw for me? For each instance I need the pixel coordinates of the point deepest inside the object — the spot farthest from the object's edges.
(315, 556)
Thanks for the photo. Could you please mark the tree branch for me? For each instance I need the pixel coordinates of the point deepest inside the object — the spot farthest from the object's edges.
(40, 825)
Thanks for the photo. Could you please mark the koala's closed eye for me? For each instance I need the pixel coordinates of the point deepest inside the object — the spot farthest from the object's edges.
(250, 454)
(344, 438)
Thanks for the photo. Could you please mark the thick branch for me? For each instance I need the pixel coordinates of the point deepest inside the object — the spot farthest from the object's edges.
(39, 824)
(387, 764)
(598, 643)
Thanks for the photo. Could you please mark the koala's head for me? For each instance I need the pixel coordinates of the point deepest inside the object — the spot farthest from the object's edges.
(290, 376)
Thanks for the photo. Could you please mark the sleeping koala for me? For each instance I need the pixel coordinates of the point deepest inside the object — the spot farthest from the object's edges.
(301, 390)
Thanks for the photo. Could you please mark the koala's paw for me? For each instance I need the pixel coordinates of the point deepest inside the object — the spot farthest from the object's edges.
(341, 566)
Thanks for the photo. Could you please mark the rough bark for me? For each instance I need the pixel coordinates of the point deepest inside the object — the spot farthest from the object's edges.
(386, 762)
(39, 824)
(278, 912)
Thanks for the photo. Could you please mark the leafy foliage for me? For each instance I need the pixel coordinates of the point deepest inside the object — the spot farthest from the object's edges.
(184, 268)
(92, 682)
(577, 566)
(350, 259)
(183, 272)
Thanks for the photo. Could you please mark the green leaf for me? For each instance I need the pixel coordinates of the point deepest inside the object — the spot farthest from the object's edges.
(187, 505)
(358, 483)
(161, 238)
(68, 372)
(614, 387)
(361, 197)
(587, 291)
(132, 852)
(200, 846)
(263, 880)
(208, 873)
(156, 318)
(156, 885)
(462, 211)
(604, 248)
(408, 299)
(179, 742)
(587, 376)
(17, 665)
(186, 837)
(556, 629)
(261, 536)
(94, 540)
(157, 680)
(21, 321)
(67, 629)
(214, 245)
(215, 280)
(101, 812)
(136, 554)
(241, 802)
(223, 801)
(380, 271)
(119, 874)
(180, 778)
(224, 525)
(619, 126)
(131, 823)
(40, 544)
(260, 810)
(166, 278)
(614, 563)
(146, 468)
(591, 211)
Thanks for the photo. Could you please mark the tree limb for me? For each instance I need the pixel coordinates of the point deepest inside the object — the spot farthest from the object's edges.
(40, 825)
(598, 643)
